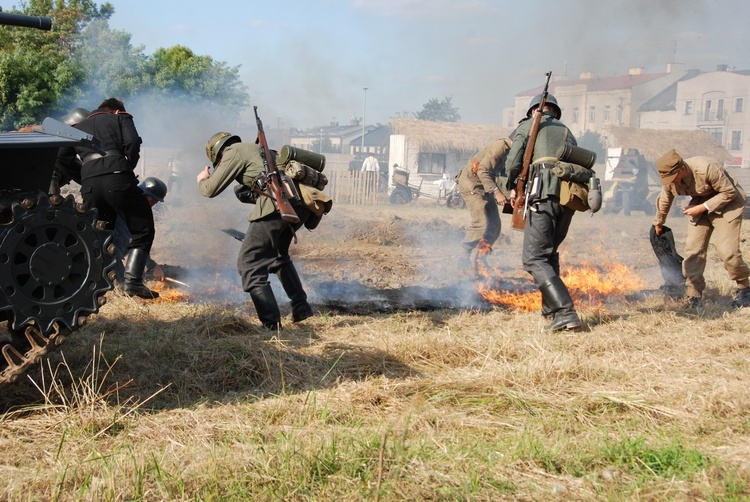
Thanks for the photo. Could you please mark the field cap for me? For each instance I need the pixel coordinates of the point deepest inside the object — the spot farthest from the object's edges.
(668, 166)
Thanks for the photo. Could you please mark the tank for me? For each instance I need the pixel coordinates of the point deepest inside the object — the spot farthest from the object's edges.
(56, 259)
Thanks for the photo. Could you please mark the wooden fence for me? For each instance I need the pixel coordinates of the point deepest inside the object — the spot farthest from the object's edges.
(353, 187)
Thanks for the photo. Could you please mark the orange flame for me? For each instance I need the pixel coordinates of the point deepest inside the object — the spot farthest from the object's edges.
(588, 285)
(169, 295)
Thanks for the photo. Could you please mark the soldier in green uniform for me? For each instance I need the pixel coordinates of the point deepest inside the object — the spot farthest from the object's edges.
(715, 210)
(478, 183)
(547, 220)
(265, 248)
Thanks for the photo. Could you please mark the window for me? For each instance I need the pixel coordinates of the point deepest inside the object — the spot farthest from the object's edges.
(720, 109)
(688, 107)
(619, 114)
(431, 163)
(736, 140)
(716, 132)
(738, 104)
(574, 117)
(606, 114)
(707, 110)
(592, 114)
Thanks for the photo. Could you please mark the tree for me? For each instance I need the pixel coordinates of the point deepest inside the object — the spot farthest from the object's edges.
(591, 140)
(48, 73)
(439, 111)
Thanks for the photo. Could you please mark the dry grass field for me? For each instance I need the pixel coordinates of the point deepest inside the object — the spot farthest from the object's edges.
(416, 380)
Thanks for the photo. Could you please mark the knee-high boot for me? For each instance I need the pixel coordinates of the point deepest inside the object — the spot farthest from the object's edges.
(292, 285)
(560, 304)
(135, 266)
(266, 306)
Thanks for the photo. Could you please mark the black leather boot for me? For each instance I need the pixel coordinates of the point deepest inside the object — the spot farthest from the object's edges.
(266, 307)
(557, 297)
(135, 266)
(292, 285)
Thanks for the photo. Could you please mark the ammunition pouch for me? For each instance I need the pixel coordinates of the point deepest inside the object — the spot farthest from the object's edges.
(317, 202)
(574, 195)
(245, 194)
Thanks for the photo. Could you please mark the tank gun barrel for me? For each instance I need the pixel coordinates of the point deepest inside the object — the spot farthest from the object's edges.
(39, 22)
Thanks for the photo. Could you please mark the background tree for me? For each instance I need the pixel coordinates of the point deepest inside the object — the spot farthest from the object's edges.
(439, 111)
(81, 61)
(591, 140)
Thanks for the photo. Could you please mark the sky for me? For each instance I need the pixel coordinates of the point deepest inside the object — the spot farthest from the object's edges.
(306, 62)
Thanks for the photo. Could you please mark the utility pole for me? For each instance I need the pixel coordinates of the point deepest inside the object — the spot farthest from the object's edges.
(364, 118)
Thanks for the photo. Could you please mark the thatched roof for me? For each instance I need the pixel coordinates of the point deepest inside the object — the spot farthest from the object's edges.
(444, 136)
(653, 143)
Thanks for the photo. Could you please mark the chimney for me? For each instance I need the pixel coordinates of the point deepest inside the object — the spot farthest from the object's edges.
(636, 70)
(675, 67)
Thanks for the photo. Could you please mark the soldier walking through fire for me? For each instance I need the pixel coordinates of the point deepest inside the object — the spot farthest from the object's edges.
(547, 221)
(265, 248)
(479, 182)
(714, 210)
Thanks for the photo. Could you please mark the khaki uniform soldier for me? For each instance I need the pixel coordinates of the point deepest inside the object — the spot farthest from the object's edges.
(714, 210)
(478, 183)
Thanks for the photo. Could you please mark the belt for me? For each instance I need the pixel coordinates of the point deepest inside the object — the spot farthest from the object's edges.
(94, 156)
(544, 165)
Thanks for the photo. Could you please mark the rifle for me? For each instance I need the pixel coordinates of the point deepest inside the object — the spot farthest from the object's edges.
(518, 220)
(273, 180)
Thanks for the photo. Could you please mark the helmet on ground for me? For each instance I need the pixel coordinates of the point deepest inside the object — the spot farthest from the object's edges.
(551, 102)
(217, 142)
(75, 116)
(154, 187)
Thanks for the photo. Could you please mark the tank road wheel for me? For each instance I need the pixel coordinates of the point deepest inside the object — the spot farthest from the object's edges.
(401, 196)
(54, 262)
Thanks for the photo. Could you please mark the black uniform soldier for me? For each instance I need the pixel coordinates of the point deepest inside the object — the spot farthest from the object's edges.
(548, 222)
(265, 248)
(69, 169)
(478, 183)
(109, 184)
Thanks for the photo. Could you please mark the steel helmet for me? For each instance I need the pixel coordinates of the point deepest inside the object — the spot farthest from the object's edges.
(154, 187)
(217, 142)
(551, 102)
(75, 116)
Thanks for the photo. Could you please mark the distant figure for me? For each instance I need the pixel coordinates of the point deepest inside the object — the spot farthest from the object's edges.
(175, 179)
(371, 164)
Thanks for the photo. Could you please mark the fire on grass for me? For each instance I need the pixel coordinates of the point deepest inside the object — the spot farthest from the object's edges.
(204, 286)
(589, 285)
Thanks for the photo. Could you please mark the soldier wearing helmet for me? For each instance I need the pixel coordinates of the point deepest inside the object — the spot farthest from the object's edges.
(69, 169)
(547, 224)
(154, 190)
(109, 184)
(265, 248)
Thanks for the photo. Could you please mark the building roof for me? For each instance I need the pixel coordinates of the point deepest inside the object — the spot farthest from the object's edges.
(652, 143)
(380, 136)
(666, 100)
(444, 136)
(596, 84)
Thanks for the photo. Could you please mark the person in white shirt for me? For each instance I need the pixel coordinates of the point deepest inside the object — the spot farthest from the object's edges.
(371, 164)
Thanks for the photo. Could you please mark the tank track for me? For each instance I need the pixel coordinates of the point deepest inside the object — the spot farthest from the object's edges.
(56, 264)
